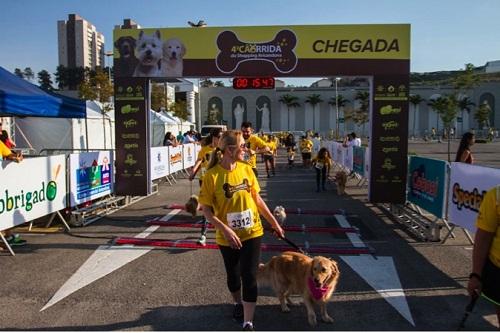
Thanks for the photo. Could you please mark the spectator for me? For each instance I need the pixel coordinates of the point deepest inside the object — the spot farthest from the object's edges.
(4, 137)
(6, 153)
(316, 140)
(464, 153)
(169, 140)
(231, 202)
(255, 145)
(485, 276)
(189, 137)
(180, 137)
(356, 141)
(347, 141)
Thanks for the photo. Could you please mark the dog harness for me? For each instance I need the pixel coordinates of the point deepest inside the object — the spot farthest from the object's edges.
(316, 292)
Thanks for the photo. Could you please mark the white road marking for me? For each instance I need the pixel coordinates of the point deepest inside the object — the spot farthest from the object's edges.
(106, 259)
(380, 274)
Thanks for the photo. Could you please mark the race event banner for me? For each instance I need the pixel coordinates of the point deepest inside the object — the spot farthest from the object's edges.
(159, 162)
(31, 189)
(132, 137)
(279, 51)
(468, 184)
(389, 146)
(90, 176)
(175, 158)
(427, 184)
(188, 155)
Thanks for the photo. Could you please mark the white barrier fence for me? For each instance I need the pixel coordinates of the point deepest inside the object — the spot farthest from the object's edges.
(40, 186)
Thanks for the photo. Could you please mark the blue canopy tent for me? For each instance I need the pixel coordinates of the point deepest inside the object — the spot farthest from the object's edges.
(20, 98)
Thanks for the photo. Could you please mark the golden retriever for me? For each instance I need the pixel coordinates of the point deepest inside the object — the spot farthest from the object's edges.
(173, 53)
(341, 180)
(295, 273)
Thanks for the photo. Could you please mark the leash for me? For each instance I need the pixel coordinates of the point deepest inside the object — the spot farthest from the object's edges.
(292, 244)
(468, 311)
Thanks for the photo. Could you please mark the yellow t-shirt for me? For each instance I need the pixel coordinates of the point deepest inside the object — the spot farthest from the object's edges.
(272, 146)
(254, 142)
(229, 193)
(306, 146)
(488, 220)
(204, 157)
(321, 162)
(4, 150)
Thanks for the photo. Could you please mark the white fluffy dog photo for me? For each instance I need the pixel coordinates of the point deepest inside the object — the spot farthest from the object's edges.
(149, 50)
(173, 53)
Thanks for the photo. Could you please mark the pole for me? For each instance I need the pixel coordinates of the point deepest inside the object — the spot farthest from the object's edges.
(199, 107)
(337, 109)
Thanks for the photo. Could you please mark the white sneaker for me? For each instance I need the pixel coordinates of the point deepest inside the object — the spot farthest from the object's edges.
(202, 241)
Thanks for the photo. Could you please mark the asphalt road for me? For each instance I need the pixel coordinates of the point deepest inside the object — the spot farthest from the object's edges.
(184, 290)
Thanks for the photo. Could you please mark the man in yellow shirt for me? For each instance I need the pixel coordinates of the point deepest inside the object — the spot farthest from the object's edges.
(306, 149)
(485, 276)
(255, 145)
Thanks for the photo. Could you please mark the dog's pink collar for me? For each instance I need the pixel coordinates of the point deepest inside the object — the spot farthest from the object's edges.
(316, 292)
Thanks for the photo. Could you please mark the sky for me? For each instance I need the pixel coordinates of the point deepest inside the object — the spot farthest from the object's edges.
(445, 34)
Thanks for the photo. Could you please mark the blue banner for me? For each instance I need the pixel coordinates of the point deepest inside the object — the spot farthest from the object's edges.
(427, 184)
(358, 160)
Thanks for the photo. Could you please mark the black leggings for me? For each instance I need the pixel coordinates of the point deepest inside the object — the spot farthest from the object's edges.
(323, 176)
(241, 267)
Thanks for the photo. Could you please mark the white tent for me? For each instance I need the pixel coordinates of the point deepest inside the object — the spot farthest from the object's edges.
(160, 124)
(97, 130)
(182, 126)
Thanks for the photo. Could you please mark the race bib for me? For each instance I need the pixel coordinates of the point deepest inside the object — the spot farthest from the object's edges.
(319, 165)
(240, 220)
(203, 171)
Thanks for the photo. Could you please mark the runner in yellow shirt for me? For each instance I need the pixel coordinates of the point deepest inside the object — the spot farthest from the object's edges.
(322, 164)
(208, 146)
(485, 277)
(231, 202)
(306, 148)
(269, 156)
(255, 145)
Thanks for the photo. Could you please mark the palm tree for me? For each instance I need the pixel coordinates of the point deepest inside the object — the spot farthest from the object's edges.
(361, 115)
(290, 102)
(465, 104)
(314, 99)
(341, 102)
(415, 100)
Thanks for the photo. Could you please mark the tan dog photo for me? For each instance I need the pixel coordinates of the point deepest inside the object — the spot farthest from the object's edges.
(173, 53)
(280, 215)
(341, 180)
(295, 273)
(192, 205)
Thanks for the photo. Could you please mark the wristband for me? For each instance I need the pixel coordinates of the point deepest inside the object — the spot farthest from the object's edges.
(475, 275)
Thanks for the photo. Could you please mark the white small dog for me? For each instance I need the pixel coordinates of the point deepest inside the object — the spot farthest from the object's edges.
(150, 52)
(279, 213)
(173, 53)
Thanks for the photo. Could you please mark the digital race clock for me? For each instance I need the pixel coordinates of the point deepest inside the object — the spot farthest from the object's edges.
(253, 83)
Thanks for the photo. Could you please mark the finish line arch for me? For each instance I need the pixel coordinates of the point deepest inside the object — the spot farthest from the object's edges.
(379, 51)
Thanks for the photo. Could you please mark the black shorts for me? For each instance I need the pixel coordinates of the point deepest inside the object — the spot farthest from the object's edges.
(306, 156)
(268, 158)
(490, 281)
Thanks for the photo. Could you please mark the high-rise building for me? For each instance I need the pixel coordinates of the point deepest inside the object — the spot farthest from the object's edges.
(80, 44)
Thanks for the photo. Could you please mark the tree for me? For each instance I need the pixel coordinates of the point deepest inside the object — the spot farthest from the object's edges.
(70, 77)
(19, 73)
(314, 99)
(28, 74)
(361, 115)
(218, 84)
(415, 100)
(482, 115)
(44, 80)
(291, 102)
(467, 79)
(180, 110)
(341, 102)
(465, 104)
(61, 76)
(159, 97)
(446, 108)
(206, 83)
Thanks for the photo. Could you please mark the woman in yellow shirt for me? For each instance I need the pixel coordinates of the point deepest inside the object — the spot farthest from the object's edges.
(231, 202)
(322, 164)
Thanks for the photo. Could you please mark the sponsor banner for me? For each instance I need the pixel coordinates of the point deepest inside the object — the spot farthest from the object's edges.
(261, 50)
(132, 138)
(468, 184)
(358, 160)
(188, 155)
(90, 176)
(31, 189)
(159, 162)
(389, 146)
(427, 184)
(175, 158)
